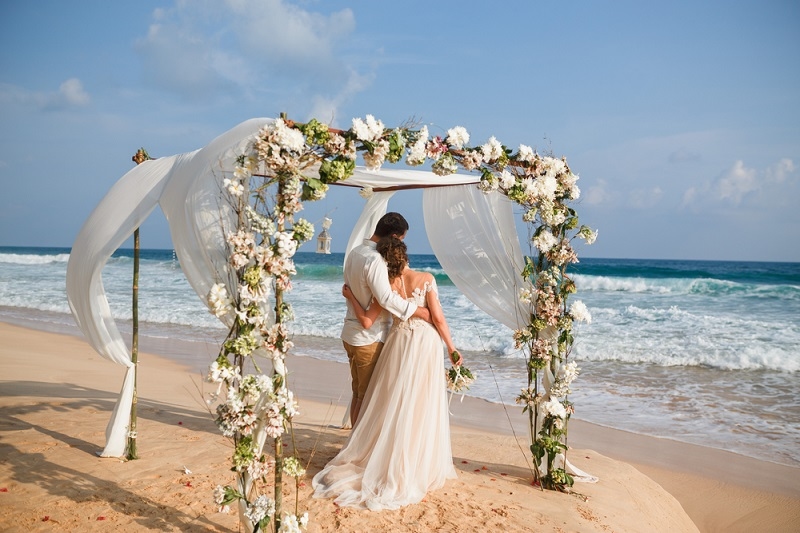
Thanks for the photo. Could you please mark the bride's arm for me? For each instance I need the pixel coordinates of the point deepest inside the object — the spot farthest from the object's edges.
(366, 317)
(439, 322)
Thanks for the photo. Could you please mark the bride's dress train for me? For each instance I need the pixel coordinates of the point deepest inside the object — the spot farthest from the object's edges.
(400, 447)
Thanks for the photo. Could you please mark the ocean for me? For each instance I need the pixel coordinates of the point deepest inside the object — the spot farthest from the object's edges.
(704, 352)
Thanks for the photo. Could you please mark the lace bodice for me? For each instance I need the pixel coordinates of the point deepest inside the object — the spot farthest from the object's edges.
(419, 296)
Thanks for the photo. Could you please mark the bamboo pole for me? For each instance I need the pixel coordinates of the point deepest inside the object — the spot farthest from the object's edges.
(130, 454)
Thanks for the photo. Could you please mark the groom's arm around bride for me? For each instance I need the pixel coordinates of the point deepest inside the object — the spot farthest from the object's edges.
(366, 274)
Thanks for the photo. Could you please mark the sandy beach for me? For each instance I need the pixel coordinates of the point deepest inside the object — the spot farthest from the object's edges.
(56, 396)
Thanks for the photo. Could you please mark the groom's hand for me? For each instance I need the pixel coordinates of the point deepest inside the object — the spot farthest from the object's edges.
(424, 314)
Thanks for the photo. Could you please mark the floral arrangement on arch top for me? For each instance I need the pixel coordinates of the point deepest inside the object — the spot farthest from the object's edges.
(288, 163)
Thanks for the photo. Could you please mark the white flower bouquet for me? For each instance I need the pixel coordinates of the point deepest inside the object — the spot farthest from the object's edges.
(459, 377)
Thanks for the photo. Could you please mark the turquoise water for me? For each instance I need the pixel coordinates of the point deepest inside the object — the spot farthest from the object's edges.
(700, 351)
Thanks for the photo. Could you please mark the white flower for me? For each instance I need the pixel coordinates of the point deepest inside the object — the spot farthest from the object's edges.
(507, 179)
(219, 497)
(457, 137)
(289, 138)
(260, 223)
(292, 467)
(567, 373)
(218, 300)
(553, 167)
(542, 188)
(492, 150)
(369, 131)
(417, 154)
(241, 172)
(545, 241)
(579, 312)
(587, 233)
(525, 153)
(554, 408)
(285, 243)
(290, 523)
(234, 187)
(258, 469)
(525, 295)
(260, 509)
(374, 160)
(366, 192)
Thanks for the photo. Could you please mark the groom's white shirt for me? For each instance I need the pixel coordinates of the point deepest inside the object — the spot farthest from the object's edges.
(366, 274)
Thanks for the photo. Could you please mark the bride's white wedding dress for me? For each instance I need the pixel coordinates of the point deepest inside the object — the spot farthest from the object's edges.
(399, 448)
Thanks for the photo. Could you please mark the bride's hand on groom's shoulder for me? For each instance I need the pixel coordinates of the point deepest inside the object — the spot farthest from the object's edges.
(346, 292)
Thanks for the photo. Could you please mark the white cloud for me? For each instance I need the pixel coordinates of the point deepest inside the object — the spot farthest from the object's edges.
(735, 183)
(205, 50)
(597, 194)
(644, 198)
(283, 34)
(689, 196)
(324, 108)
(72, 93)
(740, 185)
(69, 94)
(781, 171)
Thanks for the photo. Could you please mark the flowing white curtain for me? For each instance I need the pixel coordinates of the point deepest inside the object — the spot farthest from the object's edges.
(365, 225)
(187, 187)
(474, 237)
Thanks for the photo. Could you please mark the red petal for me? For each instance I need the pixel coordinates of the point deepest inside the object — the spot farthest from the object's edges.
(45, 519)
(101, 517)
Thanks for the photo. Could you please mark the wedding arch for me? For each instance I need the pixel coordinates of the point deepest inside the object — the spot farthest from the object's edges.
(234, 238)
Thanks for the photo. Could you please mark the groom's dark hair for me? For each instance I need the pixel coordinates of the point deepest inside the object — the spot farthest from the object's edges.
(391, 224)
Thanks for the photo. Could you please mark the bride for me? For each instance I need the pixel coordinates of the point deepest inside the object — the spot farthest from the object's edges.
(399, 448)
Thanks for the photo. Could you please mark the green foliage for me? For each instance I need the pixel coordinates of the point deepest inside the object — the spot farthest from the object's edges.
(244, 454)
(336, 169)
(315, 132)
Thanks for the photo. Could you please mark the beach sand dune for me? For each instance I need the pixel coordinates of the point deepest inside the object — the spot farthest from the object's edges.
(56, 396)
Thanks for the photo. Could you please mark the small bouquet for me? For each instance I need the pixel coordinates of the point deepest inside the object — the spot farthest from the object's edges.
(459, 378)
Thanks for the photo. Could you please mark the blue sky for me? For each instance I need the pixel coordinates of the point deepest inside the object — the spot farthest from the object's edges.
(682, 118)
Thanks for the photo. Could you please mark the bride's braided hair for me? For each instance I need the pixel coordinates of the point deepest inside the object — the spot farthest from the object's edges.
(394, 251)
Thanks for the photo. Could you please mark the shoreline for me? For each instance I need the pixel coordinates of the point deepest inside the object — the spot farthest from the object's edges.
(183, 351)
(719, 491)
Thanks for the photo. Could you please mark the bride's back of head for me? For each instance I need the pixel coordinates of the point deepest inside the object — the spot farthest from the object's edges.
(395, 252)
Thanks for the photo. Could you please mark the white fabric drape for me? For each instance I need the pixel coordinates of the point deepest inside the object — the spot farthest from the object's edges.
(187, 188)
(473, 236)
(366, 223)
(103, 232)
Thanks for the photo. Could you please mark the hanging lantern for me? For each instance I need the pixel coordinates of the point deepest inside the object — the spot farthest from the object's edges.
(324, 238)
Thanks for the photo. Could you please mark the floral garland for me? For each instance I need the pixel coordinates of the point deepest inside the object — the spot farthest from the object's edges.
(289, 163)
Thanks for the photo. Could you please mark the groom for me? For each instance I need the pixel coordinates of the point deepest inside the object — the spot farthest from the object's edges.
(366, 275)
